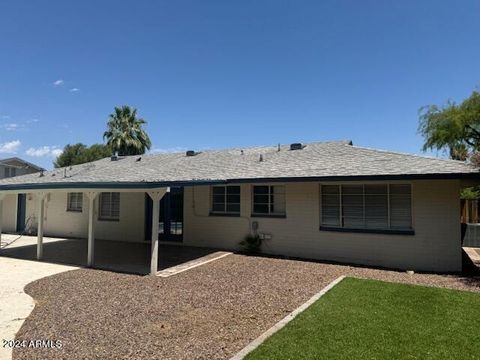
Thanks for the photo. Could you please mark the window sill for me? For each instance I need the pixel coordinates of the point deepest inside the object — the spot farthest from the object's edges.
(104, 219)
(368, 231)
(224, 214)
(277, 216)
(74, 211)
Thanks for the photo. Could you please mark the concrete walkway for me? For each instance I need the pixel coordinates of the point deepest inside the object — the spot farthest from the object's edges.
(15, 305)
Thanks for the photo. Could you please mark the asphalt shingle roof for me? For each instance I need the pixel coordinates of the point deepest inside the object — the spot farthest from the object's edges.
(322, 160)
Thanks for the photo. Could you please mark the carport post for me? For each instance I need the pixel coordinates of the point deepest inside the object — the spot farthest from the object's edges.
(91, 226)
(40, 215)
(156, 197)
(1, 214)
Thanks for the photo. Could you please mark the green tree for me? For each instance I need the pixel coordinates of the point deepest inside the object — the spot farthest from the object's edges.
(456, 129)
(453, 127)
(80, 153)
(96, 152)
(125, 133)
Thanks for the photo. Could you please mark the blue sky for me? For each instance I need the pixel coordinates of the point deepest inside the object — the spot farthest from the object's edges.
(215, 74)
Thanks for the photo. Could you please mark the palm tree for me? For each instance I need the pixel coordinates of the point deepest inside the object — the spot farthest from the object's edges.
(125, 134)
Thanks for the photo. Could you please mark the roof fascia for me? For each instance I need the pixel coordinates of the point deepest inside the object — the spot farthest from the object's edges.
(152, 185)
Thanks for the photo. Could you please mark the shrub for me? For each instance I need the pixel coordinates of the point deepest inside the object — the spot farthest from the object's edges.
(251, 243)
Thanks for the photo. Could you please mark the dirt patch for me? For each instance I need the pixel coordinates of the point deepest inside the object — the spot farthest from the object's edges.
(209, 312)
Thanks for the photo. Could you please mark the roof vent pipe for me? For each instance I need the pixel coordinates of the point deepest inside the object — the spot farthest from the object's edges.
(296, 146)
(114, 157)
(190, 153)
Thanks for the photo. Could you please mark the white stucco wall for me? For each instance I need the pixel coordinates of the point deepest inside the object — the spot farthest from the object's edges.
(62, 223)
(434, 247)
(9, 218)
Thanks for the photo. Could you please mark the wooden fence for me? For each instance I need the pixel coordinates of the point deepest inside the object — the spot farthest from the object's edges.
(469, 211)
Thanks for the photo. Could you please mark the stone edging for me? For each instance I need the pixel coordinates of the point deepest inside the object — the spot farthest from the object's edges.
(258, 341)
(174, 270)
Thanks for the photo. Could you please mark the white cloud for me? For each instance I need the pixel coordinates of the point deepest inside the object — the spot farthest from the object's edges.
(10, 147)
(5, 117)
(10, 126)
(74, 89)
(44, 151)
(56, 152)
(58, 82)
(34, 120)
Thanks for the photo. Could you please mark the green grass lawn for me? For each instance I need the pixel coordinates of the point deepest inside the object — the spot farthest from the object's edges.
(366, 319)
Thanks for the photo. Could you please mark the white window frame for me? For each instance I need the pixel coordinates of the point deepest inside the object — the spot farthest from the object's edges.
(269, 204)
(389, 228)
(110, 216)
(75, 202)
(225, 194)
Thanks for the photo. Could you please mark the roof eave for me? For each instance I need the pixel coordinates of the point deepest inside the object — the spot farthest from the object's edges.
(180, 183)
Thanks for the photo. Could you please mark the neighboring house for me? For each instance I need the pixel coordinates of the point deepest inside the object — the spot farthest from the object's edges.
(15, 166)
(329, 201)
(12, 167)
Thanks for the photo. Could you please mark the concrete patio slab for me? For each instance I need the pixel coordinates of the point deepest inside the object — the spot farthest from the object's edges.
(15, 305)
(120, 256)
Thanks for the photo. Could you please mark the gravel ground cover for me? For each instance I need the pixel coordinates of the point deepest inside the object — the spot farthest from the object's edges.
(209, 312)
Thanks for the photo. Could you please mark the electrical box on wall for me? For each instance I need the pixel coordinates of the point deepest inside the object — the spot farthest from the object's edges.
(264, 236)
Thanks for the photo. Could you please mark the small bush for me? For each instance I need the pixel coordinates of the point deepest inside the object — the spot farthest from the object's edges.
(251, 243)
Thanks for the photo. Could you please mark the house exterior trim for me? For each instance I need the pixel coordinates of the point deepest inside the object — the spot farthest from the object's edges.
(151, 185)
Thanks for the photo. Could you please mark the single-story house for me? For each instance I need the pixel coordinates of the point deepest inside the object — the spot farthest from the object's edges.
(328, 201)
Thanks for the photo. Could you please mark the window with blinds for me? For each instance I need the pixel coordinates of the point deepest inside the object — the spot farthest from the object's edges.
(379, 207)
(109, 206)
(75, 202)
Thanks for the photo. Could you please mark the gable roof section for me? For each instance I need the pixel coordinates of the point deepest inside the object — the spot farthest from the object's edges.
(328, 161)
(11, 161)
